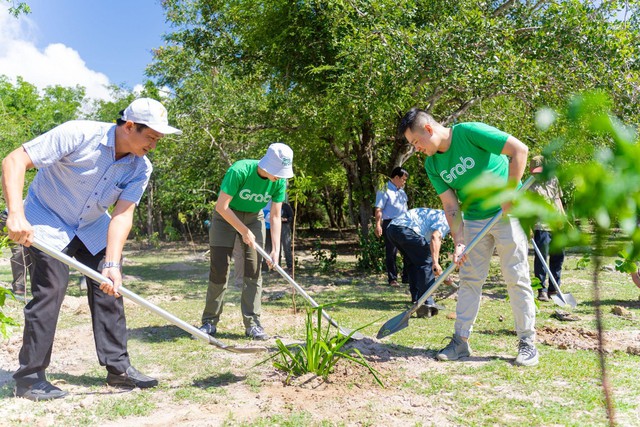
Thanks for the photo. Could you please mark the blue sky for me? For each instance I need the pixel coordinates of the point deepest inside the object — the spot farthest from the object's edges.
(91, 43)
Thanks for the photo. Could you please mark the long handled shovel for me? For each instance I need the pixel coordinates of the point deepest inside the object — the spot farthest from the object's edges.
(559, 298)
(141, 301)
(401, 321)
(354, 334)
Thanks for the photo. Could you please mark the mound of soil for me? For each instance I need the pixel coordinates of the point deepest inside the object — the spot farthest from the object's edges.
(584, 339)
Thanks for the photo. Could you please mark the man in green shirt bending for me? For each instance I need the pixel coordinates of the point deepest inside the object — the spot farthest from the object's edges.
(246, 188)
(457, 156)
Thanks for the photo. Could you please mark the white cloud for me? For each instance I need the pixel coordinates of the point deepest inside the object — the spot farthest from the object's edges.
(138, 88)
(57, 64)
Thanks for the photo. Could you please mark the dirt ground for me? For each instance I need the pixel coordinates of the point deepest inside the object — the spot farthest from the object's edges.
(337, 400)
(350, 397)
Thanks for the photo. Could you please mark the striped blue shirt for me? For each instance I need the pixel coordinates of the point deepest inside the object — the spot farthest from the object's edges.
(392, 201)
(78, 179)
(424, 222)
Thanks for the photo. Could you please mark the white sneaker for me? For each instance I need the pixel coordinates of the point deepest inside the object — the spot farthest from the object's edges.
(527, 354)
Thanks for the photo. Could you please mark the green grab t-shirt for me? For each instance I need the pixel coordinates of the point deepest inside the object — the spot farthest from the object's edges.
(475, 148)
(249, 190)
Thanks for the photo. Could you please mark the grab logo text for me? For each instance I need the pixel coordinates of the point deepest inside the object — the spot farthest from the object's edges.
(458, 170)
(246, 194)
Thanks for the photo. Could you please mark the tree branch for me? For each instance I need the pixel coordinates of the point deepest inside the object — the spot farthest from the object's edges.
(224, 154)
(526, 30)
(431, 101)
(503, 8)
(460, 111)
(538, 5)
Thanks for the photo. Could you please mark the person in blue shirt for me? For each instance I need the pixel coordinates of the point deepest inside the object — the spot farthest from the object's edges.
(286, 244)
(418, 235)
(268, 246)
(84, 168)
(391, 203)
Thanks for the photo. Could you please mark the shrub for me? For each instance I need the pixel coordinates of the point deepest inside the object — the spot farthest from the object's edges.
(327, 259)
(371, 252)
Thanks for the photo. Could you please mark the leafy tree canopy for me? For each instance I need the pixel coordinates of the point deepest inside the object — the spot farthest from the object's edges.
(332, 77)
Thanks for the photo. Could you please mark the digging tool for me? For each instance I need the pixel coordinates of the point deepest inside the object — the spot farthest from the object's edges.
(141, 301)
(559, 298)
(354, 334)
(401, 321)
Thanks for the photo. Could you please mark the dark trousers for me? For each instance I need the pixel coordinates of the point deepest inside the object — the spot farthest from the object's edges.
(285, 245)
(268, 247)
(555, 260)
(19, 264)
(49, 281)
(390, 252)
(417, 256)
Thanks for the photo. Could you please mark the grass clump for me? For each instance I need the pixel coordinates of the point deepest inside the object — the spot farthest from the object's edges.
(320, 352)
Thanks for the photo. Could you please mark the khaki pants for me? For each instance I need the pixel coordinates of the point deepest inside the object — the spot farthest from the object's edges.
(222, 237)
(511, 243)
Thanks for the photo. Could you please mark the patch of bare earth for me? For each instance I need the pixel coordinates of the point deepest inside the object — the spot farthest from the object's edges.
(566, 338)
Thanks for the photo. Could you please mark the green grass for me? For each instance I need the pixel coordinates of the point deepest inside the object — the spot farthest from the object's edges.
(564, 389)
(294, 420)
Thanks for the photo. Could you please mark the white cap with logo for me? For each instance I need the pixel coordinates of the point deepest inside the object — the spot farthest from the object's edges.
(149, 112)
(278, 161)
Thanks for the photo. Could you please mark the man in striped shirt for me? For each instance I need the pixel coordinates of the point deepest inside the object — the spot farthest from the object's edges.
(84, 168)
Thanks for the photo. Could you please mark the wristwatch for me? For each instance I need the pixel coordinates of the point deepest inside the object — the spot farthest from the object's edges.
(111, 264)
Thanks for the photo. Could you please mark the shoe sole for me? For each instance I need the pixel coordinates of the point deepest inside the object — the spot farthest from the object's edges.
(264, 338)
(41, 398)
(447, 359)
(193, 337)
(526, 363)
(131, 385)
(533, 363)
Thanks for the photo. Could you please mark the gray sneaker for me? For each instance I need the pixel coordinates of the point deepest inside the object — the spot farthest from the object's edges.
(257, 333)
(527, 354)
(456, 349)
(207, 328)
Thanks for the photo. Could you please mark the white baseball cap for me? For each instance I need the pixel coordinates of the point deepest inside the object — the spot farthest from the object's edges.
(149, 112)
(278, 161)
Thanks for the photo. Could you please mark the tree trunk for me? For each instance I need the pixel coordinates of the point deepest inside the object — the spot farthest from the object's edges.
(357, 159)
(326, 201)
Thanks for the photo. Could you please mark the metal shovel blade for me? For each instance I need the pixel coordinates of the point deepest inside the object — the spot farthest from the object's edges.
(564, 299)
(142, 302)
(395, 324)
(559, 298)
(344, 331)
(570, 300)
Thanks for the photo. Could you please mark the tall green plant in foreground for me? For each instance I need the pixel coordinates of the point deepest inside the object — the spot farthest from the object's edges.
(605, 174)
(320, 352)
